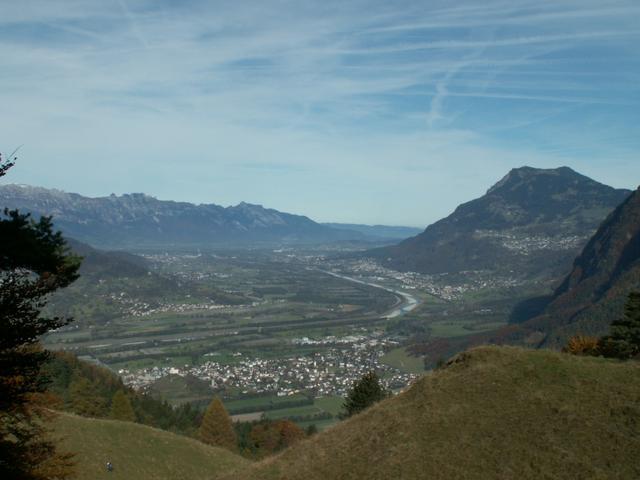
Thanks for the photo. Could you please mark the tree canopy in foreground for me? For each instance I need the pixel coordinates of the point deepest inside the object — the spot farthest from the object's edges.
(34, 262)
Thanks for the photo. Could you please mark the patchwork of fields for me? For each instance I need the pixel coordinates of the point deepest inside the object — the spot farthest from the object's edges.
(350, 316)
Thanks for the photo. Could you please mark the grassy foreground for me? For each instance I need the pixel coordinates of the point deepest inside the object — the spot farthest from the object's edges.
(138, 452)
(492, 413)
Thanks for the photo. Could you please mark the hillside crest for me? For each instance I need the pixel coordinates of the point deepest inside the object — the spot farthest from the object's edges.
(492, 412)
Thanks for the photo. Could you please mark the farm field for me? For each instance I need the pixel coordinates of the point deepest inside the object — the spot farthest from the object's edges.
(283, 300)
(321, 412)
(287, 311)
(399, 358)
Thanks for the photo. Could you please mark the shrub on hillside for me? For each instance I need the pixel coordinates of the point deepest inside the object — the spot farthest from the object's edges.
(582, 345)
(623, 341)
(272, 436)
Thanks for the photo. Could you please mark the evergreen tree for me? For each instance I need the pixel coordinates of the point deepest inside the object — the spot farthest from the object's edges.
(623, 340)
(364, 393)
(121, 408)
(217, 428)
(34, 262)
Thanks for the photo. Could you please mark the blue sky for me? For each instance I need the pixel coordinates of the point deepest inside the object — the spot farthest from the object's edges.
(361, 111)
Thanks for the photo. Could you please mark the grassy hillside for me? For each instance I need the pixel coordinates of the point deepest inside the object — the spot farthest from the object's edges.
(493, 412)
(139, 452)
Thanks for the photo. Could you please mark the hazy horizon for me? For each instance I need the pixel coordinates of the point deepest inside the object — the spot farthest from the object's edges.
(262, 205)
(353, 112)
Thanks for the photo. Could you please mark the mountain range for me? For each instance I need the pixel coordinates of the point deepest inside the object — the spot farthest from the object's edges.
(138, 220)
(532, 220)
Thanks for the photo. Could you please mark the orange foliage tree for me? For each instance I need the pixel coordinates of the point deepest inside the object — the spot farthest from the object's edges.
(270, 437)
(217, 428)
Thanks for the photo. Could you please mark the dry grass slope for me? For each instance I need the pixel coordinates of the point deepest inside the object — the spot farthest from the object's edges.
(139, 452)
(493, 413)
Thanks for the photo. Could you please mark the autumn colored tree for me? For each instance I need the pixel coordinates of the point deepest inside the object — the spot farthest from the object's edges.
(217, 428)
(121, 408)
(582, 345)
(290, 433)
(34, 262)
(364, 393)
(268, 437)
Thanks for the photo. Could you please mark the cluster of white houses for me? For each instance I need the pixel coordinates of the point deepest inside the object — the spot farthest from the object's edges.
(330, 372)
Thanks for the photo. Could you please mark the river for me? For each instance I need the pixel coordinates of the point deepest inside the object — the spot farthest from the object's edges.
(407, 304)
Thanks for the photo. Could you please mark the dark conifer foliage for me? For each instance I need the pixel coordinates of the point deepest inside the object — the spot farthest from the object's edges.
(34, 262)
(365, 392)
(624, 338)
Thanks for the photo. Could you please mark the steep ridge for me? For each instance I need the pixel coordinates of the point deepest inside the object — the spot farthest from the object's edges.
(594, 292)
(493, 412)
(138, 220)
(530, 220)
(138, 452)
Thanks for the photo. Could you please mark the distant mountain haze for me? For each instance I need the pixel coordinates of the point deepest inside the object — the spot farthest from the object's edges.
(530, 221)
(378, 231)
(138, 220)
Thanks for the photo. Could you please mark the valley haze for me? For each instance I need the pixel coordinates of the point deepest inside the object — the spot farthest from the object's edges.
(375, 239)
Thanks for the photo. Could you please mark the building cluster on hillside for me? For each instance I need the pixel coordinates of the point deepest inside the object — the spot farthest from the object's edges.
(526, 244)
(330, 372)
